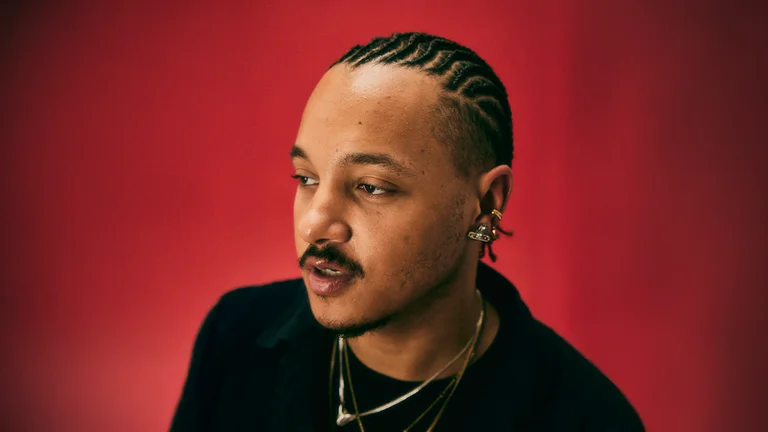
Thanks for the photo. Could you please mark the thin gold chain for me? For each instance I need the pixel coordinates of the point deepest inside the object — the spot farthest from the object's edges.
(463, 370)
(352, 391)
(432, 405)
(458, 376)
(452, 385)
(330, 386)
(402, 398)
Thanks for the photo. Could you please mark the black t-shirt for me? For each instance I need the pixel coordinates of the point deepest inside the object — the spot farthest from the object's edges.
(261, 362)
(373, 389)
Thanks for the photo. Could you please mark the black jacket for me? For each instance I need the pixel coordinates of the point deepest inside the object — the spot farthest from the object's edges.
(261, 360)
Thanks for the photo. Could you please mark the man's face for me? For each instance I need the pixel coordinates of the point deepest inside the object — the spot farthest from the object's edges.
(380, 215)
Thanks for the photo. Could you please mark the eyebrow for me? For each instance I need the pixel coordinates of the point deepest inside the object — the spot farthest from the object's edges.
(379, 159)
(298, 152)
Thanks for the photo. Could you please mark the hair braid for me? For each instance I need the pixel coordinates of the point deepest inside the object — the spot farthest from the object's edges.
(474, 117)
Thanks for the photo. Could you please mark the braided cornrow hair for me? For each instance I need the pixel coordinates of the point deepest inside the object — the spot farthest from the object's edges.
(473, 118)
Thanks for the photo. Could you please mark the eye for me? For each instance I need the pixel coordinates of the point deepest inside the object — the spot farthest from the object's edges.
(372, 190)
(304, 180)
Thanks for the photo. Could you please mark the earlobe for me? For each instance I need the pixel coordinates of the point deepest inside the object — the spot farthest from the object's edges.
(487, 234)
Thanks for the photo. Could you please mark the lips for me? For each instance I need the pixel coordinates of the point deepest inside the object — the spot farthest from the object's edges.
(327, 279)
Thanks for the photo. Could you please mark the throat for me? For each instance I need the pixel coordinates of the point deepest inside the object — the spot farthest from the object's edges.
(416, 352)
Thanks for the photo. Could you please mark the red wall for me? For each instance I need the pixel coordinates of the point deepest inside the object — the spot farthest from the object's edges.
(145, 172)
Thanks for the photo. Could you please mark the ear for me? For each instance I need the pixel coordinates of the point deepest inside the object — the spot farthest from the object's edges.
(494, 188)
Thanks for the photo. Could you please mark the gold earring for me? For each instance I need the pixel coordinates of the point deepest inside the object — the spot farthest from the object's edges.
(480, 234)
(497, 213)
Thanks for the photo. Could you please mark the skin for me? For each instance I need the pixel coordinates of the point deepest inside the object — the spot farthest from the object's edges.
(405, 226)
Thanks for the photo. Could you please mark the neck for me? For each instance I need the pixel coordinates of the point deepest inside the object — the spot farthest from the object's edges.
(422, 340)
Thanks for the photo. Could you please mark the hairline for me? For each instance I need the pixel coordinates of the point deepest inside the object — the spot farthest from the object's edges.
(441, 113)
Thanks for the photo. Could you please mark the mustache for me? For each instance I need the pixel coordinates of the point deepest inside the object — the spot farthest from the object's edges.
(332, 255)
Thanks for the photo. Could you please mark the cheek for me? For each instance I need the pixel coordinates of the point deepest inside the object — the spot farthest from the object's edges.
(440, 246)
(299, 208)
(412, 251)
(299, 203)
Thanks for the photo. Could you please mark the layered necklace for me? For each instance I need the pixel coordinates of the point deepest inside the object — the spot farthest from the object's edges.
(344, 417)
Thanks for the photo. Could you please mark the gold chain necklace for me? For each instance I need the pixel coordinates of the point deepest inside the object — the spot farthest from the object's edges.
(344, 417)
(458, 377)
(449, 389)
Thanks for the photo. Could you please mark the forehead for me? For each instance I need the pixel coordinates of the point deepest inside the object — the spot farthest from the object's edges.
(373, 108)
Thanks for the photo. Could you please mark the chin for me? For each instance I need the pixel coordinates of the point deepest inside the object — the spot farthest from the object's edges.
(349, 327)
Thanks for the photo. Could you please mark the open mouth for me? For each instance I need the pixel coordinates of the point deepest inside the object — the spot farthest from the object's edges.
(330, 272)
(330, 269)
(329, 280)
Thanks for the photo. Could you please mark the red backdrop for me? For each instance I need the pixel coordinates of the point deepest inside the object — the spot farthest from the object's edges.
(146, 172)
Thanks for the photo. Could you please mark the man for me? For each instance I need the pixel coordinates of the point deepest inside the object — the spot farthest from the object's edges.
(403, 162)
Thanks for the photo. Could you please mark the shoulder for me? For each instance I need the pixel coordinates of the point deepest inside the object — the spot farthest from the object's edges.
(225, 349)
(580, 387)
(266, 298)
(247, 312)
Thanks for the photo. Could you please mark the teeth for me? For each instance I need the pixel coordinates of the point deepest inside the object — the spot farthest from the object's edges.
(330, 272)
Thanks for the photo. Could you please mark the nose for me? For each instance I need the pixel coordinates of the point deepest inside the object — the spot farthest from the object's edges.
(323, 222)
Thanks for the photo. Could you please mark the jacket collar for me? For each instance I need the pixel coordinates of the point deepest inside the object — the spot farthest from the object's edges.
(292, 323)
